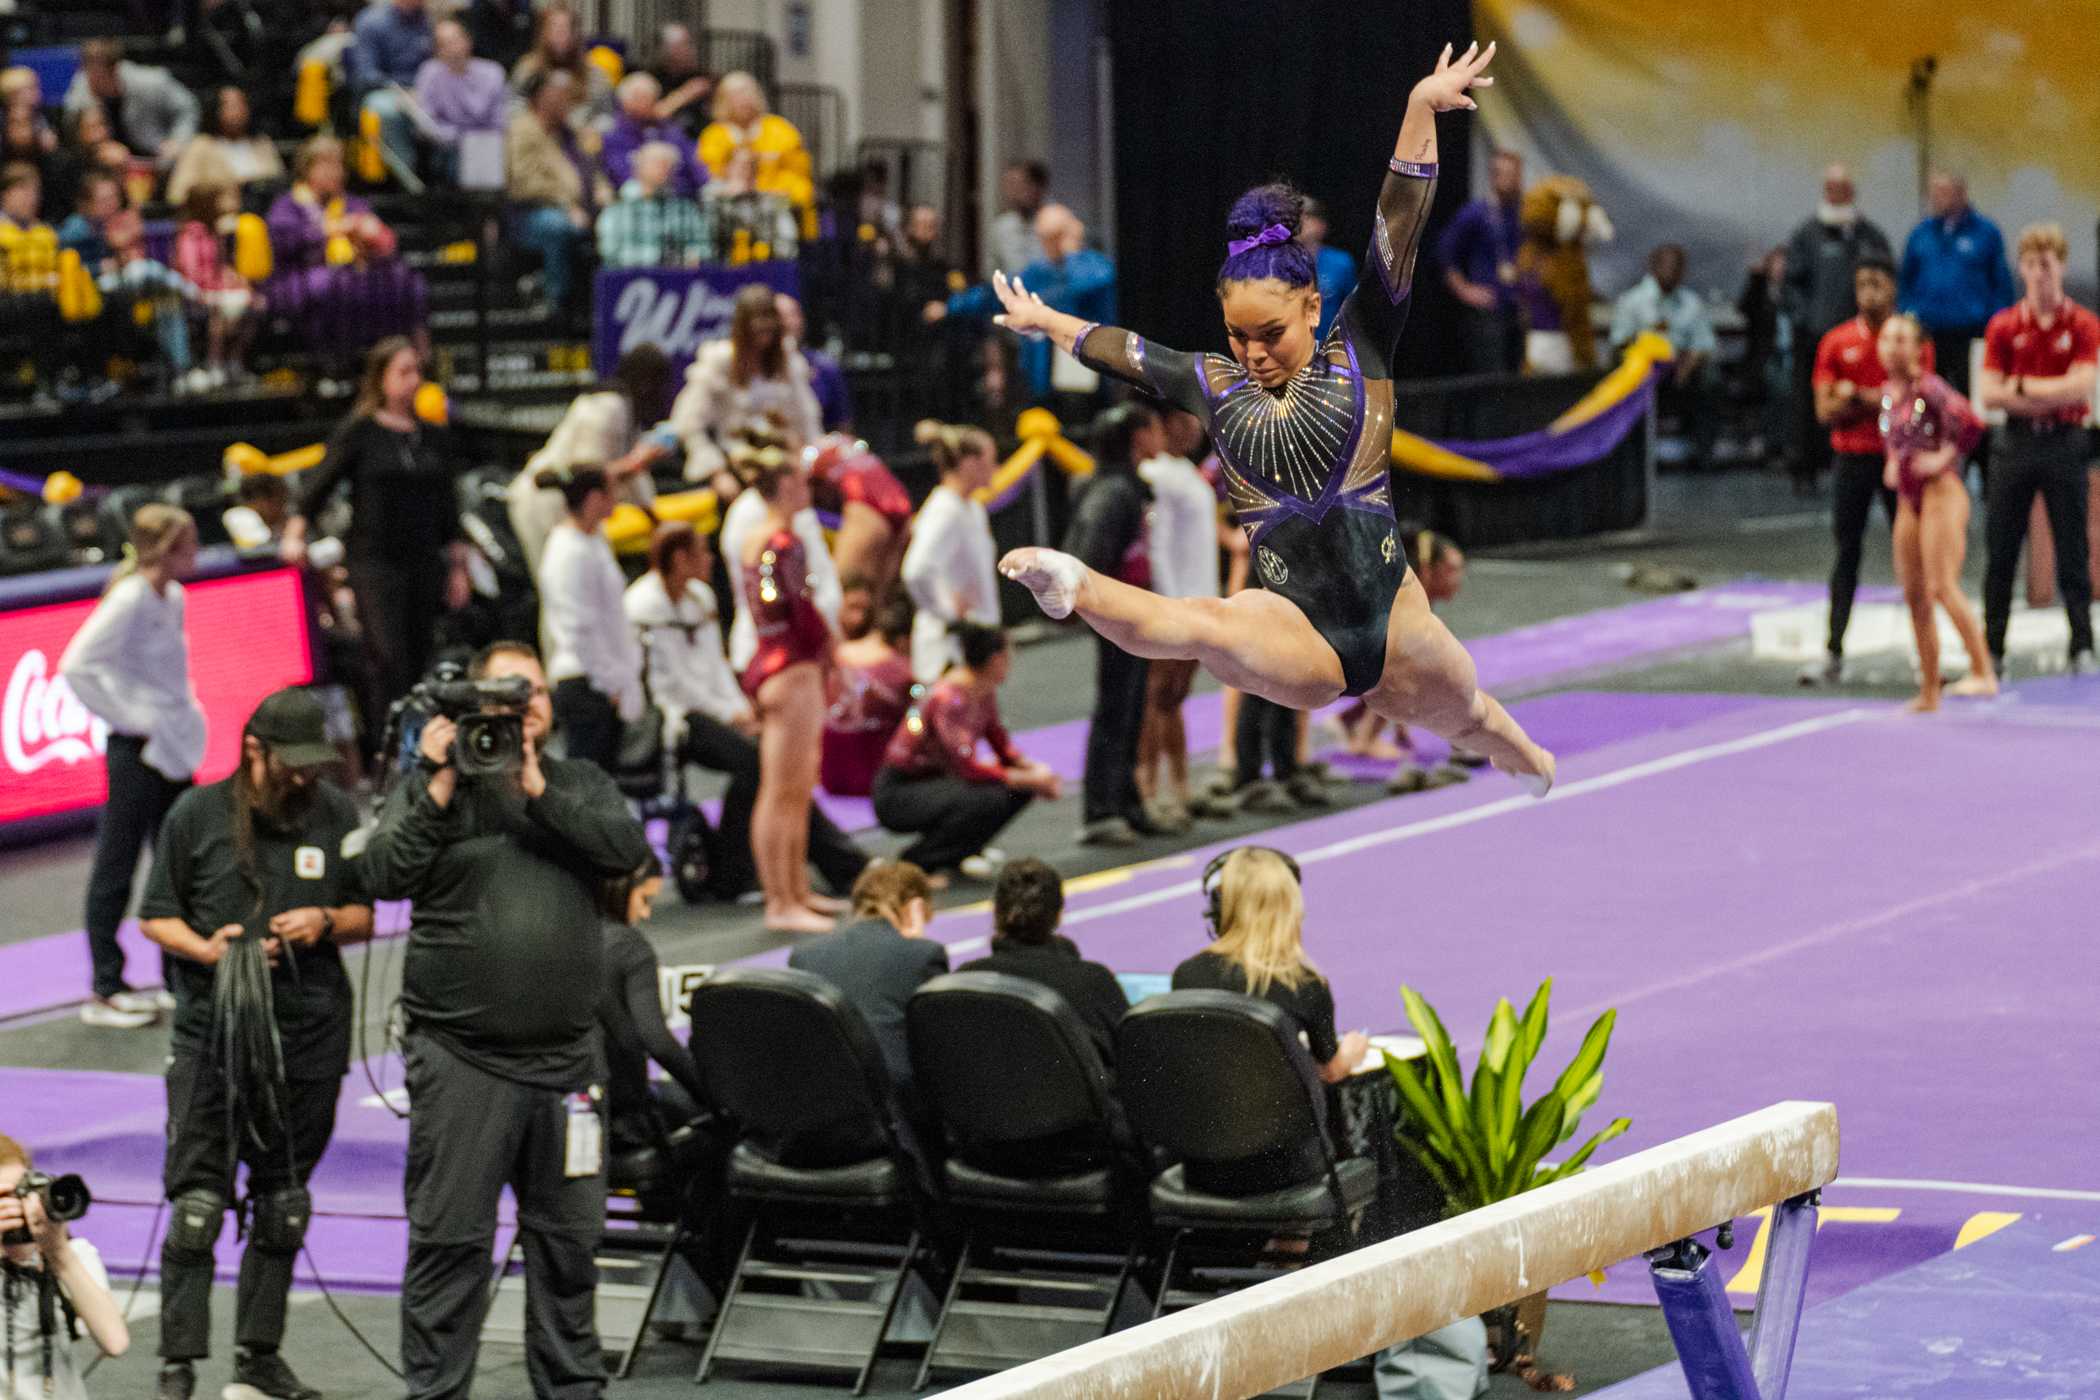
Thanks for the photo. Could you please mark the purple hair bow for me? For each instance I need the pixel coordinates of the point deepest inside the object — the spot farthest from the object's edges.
(1274, 233)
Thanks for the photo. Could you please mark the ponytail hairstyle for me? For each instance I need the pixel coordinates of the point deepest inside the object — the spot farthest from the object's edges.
(1262, 238)
(1114, 432)
(950, 444)
(979, 642)
(156, 528)
(575, 484)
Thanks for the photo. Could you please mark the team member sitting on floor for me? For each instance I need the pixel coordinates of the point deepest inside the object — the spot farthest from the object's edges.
(1256, 914)
(874, 690)
(1027, 903)
(932, 781)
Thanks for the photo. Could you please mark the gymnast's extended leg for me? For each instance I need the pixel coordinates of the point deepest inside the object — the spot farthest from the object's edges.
(1429, 680)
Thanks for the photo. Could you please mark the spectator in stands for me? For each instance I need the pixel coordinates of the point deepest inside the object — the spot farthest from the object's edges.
(951, 567)
(551, 185)
(650, 224)
(336, 272)
(88, 146)
(1661, 302)
(934, 784)
(1011, 244)
(874, 689)
(231, 153)
(149, 111)
(28, 245)
(1478, 250)
(1109, 532)
(1258, 949)
(617, 426)
(875, 210)
(593, 658)
(743, 123)
(1066, 274)
(685, 83)
(21, 91)
(826, 379)
(748, 224)
(635, 125)
(502, 29)
(1334, 270)
(708, 721)
(21, 143)
(461, 96)
(881, 958)
(85, 230)
(1185, 554)
(390, 43)
(129, 665)
(1820, 256)
(753, 375)
(785, 678)
(156, 293)
(405, 552)
(1953, 277)
(1027, 903)
(557, 47)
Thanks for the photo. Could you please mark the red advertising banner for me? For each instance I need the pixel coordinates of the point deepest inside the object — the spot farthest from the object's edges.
(247, 638)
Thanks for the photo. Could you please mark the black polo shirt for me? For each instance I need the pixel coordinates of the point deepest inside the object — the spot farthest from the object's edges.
(1089, 988)
(198, 879)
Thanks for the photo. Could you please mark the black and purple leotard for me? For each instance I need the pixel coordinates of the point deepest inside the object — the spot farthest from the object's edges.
(1306, 463)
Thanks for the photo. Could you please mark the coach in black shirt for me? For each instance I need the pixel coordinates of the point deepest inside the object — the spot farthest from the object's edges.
(258, 855)
(500, 985)
(1027, 903)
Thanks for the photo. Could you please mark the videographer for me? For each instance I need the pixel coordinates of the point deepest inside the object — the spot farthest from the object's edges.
(503, 972)
(39, 1250)
(258, 855)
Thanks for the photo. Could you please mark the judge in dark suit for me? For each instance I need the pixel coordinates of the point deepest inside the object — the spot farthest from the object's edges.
(1027, 903)
(881, 957)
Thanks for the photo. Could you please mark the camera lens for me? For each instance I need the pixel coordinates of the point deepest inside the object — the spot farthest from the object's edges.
(67, 1198)
(482, 740)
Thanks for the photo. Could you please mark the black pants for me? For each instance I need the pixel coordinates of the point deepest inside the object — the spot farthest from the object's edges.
(470, 1134)
(139, 797)
(2053, 465)
(1950, 354)
(200, 1158)
(398, 604)
(708, 743)
(1855, 482)
(1266, 730)
(588, 720)
(953, 817)
(1811, 440)
(1110, 780)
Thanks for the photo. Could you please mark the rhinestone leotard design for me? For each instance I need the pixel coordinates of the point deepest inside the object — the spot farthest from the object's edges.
(1306, 464)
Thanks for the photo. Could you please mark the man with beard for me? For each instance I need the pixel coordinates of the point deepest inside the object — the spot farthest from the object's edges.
(256, 855)
(500, 986)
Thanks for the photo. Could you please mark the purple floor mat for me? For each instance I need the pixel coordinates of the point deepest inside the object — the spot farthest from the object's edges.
(2013, 1317)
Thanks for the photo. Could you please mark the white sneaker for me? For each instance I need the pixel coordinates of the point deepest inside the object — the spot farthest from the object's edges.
(129, 1000)
(163, 999)
(979, 867)
(104, 1012)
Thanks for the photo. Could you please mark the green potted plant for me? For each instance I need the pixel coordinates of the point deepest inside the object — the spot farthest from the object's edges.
(1479, 1142)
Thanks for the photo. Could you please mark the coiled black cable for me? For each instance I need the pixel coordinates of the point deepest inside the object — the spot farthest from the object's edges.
(244, 1045)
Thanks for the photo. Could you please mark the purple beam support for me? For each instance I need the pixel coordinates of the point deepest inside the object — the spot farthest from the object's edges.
(1780, 1293)
(1702, 1324)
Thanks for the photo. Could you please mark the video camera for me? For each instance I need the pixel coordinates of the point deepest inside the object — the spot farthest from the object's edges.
(490, 715)
(64, 1198)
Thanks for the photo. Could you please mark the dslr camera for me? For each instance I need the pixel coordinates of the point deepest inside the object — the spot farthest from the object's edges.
(64, 1197)
(490, 715)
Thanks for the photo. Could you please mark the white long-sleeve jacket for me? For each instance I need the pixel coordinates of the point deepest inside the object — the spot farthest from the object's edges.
(951, 572)
(130, 665)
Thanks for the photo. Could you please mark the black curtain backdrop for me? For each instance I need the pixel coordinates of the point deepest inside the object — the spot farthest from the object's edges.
(1212, 96)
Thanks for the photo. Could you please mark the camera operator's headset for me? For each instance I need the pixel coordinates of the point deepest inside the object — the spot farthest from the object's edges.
(1213, 882)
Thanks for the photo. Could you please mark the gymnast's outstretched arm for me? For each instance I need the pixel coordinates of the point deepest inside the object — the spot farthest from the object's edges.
(1171, 374)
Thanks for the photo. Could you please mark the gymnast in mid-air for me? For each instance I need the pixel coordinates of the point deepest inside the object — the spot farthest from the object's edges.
(1304, 431)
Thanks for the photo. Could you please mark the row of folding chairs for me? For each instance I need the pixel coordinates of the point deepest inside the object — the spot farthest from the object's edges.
(1026, 1187)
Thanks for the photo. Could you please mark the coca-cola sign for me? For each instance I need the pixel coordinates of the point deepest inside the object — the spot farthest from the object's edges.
(247, 638)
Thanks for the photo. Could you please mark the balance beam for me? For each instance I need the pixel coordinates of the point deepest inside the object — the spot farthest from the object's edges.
(1332, 1313)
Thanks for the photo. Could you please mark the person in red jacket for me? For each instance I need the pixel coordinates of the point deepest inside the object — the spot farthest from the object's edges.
(935, 784)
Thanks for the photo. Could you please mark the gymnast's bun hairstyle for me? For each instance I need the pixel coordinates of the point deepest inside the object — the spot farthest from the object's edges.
(949, 444)
(574, 483)
(1265, 207)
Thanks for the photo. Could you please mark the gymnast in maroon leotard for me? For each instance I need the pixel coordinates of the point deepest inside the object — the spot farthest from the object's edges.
(786, 680)
(873, 507)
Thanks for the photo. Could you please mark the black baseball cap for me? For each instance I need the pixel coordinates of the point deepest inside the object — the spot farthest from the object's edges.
(291, 725)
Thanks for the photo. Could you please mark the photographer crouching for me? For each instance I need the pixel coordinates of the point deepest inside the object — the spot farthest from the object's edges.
(51, 1281)
(504, 853)
(252, 894)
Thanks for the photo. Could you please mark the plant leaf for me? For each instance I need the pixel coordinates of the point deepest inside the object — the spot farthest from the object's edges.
(1579, 1103)
(1533, 1033)
(1575, 1163)
(1450, 1081)
(1430, 1164)
(1510, 1101)
(1535, 1138)
(1588, 1058)
(1486, 1095)
(1501, 1035)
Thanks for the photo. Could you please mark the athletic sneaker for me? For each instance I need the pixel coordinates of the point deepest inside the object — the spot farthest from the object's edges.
(2082, 664)
(1829, 671)
(979, 867)
(129, 1000)
(262, 1375)
(163, 999)
(178, 1381)
(106, 1013)
(1213, 805)
(1263, 795)
(1308, 791)
(1109, 831)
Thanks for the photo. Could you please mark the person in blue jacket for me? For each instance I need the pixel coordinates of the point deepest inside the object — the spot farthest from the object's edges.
(1069, 277)
(1954, 275)
(1333, 270)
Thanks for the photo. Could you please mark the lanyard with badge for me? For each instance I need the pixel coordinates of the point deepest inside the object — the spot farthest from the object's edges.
(583, 1152)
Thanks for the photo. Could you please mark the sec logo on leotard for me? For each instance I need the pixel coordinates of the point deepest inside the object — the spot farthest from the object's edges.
(1388, 548)
(1274, 572)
